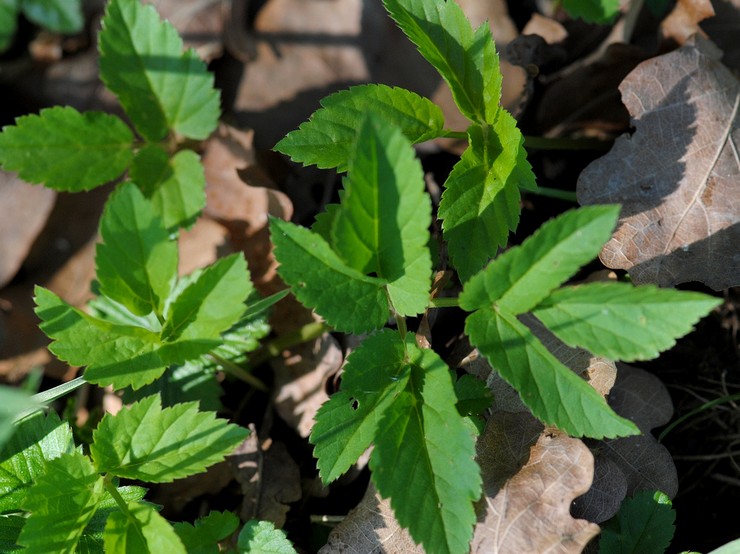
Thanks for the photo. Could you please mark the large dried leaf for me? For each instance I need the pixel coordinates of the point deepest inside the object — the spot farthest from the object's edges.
(677, 175)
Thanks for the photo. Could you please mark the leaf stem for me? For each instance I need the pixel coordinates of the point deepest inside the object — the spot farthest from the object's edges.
(113, 491)
(239, 372)
(558, 143)
(692, 413)
(277, 345)
(444, 302)
(447, 133)
(567, 195)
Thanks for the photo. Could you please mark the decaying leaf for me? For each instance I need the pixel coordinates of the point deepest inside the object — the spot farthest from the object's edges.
(269, 477)
(300, 380)
(369, 528)
(677, 175)
(176, 495)
(23, 212)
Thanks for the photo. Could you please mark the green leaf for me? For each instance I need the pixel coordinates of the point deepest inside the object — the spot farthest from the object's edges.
(204, 536)
(137, 262)
(348, 300)
(159, 445)
(622, 322)
(10, 530)
(175, 185)
(328, 137)
(13, 403)
(8, 22)
(210, 303)
(61, 16)
(140, 531)
(525, 275)
(473, 396)
(261, 537)
(347, 424)
(645, 523)
(62, 502)
(592, 11)
(92, 541)
(382, 226)
(117, 355)
(424, 457)
(65, 149)
(553, 393)
(161, 89)
(481, 202)
(466, 59)
(38, 438)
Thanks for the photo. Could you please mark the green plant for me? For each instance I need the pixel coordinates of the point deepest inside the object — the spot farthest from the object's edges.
(59, 16)
(365, 260)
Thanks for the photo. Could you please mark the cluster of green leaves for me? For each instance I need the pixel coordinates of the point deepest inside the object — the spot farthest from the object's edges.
(367, 259)
(57, 499)
(168, 95)
(60, 16)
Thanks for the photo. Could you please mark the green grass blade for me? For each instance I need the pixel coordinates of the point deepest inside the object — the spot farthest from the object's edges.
(328, 137)
(622, 322)
(552, 392)
(67, 150)
(525, 275)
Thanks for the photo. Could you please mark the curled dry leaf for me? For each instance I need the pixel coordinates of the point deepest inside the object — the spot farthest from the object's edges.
(676, 176)
(369, 528)
(300, 380)
(24, 209)
(684, 19)
(269, 477)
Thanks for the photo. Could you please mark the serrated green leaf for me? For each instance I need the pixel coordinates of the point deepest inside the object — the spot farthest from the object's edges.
(37, 439)
(92, 541)
(159, 445)
(465, 59)
(525, 275)
(204, 536)
(61, 16)
(592, 11)
(552, 392)
(117, 355)
(347, 424)
(62, 502)
(140, 531)
(209, 305)
(347, 299)
(10, 530)
(644, 523)
(65, 149)
(175, 185)
(328, 137)
(473, 396)
(481, 201)
(137, 262)
(8, 22)
(261, 537)
(622, 322)
(160, 87)
(424, 457)
(382, 225)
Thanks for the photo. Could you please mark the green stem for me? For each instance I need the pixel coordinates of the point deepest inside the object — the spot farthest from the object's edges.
(554, 193)
(113, 491)
(557, 143)
(57, 392)
(276, 346)
(447, 133)
(692, 413)
(239, 372)
(444, 302)
(402, 329)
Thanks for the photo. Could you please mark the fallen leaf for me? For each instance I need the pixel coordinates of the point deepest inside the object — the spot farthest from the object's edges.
(301, 375)
(177, 495)
(371, 527)
(202, 245)
(676, 176)
(24, 209)
(684, 19)
(269, 477)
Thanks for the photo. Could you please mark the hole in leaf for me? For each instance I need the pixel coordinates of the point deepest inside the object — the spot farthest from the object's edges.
(354, 403)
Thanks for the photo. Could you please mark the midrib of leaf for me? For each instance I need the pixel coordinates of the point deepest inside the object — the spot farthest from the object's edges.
(700, 189)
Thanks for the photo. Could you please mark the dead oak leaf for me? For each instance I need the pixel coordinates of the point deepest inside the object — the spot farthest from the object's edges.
(677, 175)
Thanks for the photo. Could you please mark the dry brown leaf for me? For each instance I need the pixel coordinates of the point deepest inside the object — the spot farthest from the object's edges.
(677, 175)
(24, 209)
(300, 380)
(202, 245)
(530, 511)
(177, 495)
(370, 528)
(269, 477)
(684, 19)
